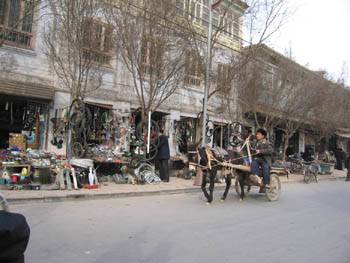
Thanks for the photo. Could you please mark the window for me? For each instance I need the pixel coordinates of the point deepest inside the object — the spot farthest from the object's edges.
(16, 22)
(223, 79)
(152, 52)
(205, 16)
(97, 41)
(180, 7)
(193, 70)
(198, 11)
(236, 29)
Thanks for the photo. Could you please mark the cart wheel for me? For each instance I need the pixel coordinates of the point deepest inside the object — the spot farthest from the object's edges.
(274, 191)
(238, 188)
(82, 179)
(78, 150)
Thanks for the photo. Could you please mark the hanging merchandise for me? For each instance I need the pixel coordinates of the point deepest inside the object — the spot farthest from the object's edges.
(59, 127)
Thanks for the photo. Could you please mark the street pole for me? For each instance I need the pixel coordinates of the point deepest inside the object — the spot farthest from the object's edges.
(207, 77)
(149, 131)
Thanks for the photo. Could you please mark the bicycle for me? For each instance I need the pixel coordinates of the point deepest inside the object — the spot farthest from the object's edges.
(310, 171)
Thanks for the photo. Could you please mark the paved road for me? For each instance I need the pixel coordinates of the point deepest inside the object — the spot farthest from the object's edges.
(309, 223)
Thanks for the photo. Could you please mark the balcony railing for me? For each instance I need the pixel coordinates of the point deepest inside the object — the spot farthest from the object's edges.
(16, 37)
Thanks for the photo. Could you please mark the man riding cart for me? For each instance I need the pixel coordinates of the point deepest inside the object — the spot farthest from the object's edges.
(262, 159)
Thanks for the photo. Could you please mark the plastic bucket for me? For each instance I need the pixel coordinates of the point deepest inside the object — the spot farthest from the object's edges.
(14, 178)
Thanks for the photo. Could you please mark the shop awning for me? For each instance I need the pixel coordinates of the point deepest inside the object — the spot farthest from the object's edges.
(26, 89)
(101, 105)
(345, 133)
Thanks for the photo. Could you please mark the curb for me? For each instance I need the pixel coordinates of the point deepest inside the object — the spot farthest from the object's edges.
(101, 196)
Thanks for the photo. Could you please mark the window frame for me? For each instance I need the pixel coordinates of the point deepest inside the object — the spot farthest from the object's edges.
(98, 45)
(223, 72)
(150, 60)
(198, 12)
(193, 73)
(20, 32)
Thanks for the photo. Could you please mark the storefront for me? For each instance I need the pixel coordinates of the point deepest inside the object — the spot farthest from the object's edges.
(185, 133)
(24, 111)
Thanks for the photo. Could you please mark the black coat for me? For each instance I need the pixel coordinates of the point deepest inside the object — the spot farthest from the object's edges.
(266, 151)
(14, 237)
(163, 148)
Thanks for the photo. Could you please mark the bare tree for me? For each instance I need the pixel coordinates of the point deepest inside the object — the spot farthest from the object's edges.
(300, 101)
(254, 24)
(277, 92)
(21, 16)
(260, 92)
(151, 46)
(77, 44)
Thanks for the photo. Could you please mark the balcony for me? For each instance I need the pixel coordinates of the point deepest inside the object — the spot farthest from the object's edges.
(15, 37)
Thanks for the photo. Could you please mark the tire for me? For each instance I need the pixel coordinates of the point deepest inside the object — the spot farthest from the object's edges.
(5, 173)
(238, 188)
(141, 132)
(82, 178)
(78, 150)
(273, 193)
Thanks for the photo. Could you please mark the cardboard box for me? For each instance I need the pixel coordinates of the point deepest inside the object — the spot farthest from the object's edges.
(17, 139)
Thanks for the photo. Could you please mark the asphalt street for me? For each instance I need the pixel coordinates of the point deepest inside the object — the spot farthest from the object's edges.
(309, 223)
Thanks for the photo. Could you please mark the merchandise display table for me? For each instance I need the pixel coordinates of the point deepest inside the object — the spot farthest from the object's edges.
(7, 166)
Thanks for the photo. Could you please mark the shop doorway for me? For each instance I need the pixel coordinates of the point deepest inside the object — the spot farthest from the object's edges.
(185, 133)
(24, 117)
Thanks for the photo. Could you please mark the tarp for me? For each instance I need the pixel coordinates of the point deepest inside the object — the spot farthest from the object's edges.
(345, 133)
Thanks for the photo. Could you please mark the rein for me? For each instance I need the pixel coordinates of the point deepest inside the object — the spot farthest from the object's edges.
(212, 158)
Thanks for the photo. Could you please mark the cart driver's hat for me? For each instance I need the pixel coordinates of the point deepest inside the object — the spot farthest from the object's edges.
(262, 132)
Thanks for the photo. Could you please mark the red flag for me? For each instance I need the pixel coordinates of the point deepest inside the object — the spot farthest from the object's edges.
(215, 5)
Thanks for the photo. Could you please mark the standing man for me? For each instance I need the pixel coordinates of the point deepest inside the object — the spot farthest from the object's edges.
(263, 157)
(163, 156)
(339, 155)
(347, 166)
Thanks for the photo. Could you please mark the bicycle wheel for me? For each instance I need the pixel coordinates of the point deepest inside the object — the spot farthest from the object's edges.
(307, 177)
(296, 167)
(78, 150)
(142, 132)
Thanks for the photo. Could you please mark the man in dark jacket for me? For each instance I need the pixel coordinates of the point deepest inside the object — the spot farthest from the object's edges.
(263, 157)
(163, 156)
(340, 156)
(14, 237)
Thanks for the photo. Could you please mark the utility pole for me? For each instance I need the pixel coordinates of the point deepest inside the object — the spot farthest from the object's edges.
(207, 77)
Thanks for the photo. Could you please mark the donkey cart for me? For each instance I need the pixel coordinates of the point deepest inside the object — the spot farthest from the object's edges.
(272, 191)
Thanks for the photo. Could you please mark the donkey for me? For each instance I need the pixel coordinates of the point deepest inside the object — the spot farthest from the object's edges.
(211, 161)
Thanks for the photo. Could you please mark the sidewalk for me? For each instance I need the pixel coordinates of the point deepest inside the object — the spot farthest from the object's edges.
(113, 190)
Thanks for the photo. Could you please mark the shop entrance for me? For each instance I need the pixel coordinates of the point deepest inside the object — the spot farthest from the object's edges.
(185, 132)
(22, 122)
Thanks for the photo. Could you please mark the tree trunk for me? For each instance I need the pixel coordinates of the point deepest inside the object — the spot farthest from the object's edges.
(285, 146)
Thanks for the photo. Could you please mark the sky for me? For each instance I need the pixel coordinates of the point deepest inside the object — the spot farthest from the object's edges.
(318, 35)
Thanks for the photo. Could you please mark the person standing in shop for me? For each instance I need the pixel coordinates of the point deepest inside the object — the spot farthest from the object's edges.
(163, 156)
